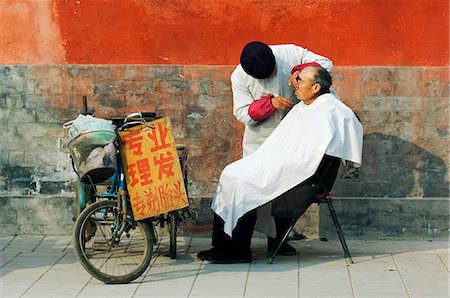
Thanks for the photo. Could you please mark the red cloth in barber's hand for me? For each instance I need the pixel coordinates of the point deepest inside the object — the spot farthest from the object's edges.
(261, 108)
(301, 66)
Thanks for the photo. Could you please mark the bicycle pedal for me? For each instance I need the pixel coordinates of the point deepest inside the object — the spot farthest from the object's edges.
(100, 244)
(101, 247)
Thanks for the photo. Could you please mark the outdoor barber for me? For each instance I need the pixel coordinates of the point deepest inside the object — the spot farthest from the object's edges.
(262, 96)
(320, 125)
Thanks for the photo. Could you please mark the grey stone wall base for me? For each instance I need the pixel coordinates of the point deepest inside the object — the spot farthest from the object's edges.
(360, 218)
(381, 218)
(43, 215)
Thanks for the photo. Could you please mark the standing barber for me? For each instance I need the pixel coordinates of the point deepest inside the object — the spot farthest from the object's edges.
(261, 98)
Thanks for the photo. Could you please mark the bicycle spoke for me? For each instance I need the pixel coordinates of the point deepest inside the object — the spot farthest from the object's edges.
(109, 257)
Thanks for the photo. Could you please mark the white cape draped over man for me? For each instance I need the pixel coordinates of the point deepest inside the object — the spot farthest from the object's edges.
(290, 155)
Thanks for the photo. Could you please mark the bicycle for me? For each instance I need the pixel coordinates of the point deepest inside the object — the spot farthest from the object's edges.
(109, 242)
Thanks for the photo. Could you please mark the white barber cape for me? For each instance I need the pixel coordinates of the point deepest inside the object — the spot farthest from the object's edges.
(290, 155)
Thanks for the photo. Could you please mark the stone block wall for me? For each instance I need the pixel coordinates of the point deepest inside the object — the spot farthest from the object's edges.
(405, 115)
(404, 111)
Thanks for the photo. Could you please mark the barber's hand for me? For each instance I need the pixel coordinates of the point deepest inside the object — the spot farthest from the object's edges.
(281, 103)
(293, 79)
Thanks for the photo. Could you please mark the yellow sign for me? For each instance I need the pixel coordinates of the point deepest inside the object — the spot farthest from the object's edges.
(152, 169)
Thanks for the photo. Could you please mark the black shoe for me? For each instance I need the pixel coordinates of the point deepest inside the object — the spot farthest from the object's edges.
(285, 249)
(229, 257)
(205, 254)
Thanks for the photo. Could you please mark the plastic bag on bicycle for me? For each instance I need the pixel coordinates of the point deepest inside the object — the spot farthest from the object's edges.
(90, 141)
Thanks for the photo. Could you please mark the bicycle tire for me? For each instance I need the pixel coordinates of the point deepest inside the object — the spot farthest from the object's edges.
(97, 250)
(172, 225)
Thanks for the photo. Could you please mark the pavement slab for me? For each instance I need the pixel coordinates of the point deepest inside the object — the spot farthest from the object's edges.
(45, 266)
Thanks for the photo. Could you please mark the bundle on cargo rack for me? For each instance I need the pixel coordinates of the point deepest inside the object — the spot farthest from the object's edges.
(91, 144)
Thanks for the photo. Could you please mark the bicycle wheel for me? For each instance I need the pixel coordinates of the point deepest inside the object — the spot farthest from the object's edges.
(107, 257)
(172, 225)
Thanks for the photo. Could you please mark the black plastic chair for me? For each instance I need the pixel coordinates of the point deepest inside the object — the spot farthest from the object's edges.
(314, 190)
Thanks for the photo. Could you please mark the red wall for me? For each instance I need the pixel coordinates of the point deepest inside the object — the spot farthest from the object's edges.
(350, 32)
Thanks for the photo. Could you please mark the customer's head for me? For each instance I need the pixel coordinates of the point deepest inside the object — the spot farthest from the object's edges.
(313, 81)
(258, 60)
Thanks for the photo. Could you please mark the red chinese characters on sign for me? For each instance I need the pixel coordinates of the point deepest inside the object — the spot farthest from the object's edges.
(158, 136)
(138, 205)
(165, 165)
(143, 166)
(134, 141)
(152, 170)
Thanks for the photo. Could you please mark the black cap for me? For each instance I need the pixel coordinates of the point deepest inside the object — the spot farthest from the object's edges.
(258, 60)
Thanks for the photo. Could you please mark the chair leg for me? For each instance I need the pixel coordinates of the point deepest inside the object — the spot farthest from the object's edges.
(280, 243)
(347, 255)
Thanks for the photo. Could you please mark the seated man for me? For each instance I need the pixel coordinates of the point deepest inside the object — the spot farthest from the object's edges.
(320, 125)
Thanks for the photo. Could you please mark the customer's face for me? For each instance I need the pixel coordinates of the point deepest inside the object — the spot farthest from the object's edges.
(307, 90)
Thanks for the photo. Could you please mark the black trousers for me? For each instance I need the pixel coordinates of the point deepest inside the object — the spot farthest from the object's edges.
(241, 235)
(293, 203)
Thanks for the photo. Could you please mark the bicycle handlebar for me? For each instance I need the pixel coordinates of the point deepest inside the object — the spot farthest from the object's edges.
(141, 115)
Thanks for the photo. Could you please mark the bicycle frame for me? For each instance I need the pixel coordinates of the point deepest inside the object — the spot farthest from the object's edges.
(117, 190)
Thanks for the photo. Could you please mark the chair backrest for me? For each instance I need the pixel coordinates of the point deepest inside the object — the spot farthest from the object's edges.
(326, 173)
(295, 201)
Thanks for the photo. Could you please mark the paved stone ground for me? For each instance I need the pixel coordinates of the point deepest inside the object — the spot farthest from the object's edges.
(44, 266)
